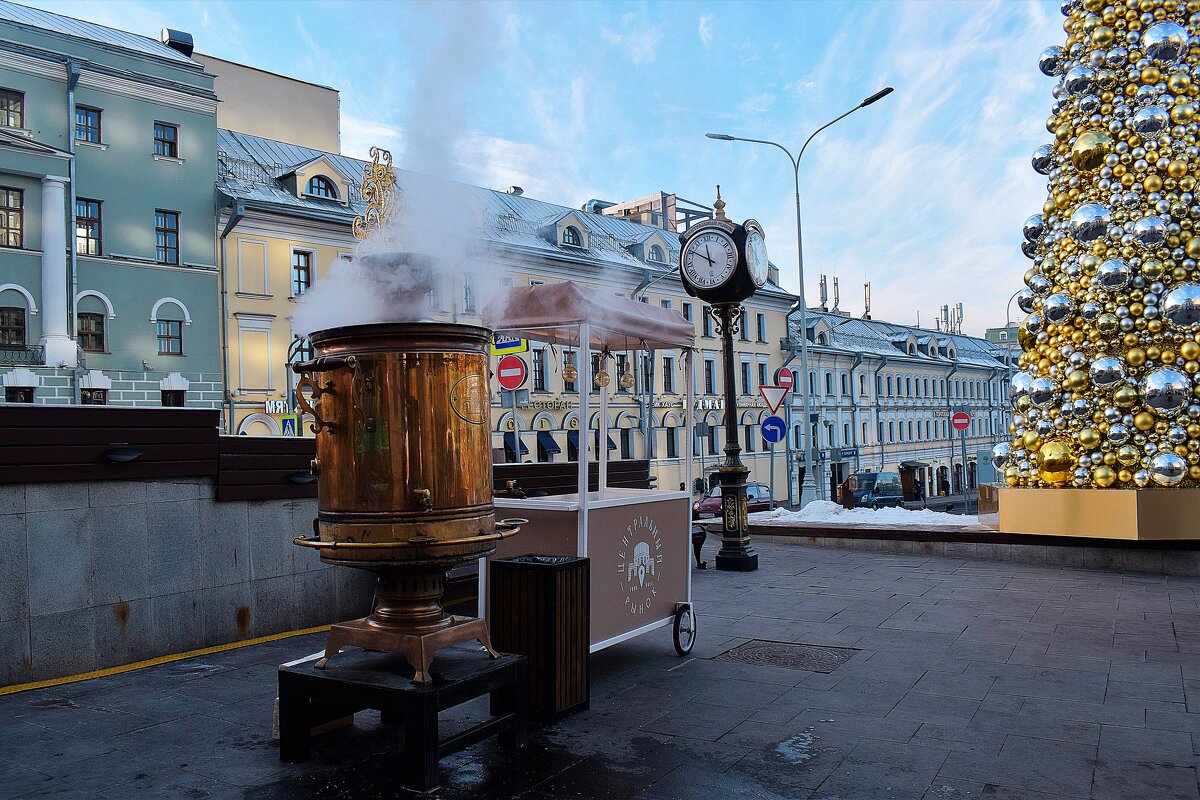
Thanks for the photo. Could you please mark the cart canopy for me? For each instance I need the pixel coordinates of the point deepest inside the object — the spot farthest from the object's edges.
(553, 312)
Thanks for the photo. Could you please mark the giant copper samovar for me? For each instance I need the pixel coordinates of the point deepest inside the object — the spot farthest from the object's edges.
(402, 416)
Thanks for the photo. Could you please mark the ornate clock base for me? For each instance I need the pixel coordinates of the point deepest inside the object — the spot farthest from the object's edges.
(740, 559)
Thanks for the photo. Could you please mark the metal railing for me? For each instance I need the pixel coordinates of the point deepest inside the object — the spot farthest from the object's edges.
(27, 354)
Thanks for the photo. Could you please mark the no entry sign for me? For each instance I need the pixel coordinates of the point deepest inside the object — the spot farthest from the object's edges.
(961, 420)
(784, 377)
(511, 373)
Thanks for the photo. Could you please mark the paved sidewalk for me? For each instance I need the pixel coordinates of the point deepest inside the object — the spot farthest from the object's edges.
(971, 679)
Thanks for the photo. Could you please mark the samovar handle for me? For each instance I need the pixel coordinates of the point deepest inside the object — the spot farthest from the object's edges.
(306, 370)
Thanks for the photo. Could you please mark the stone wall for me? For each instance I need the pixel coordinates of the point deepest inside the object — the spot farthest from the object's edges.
(102, 573)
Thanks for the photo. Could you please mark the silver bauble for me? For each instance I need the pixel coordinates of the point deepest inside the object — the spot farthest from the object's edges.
(1033, 228)
(1039, 284)
(1113, 274)
(1118, 434)
(1150, 231)
(1181, 306)
(1090, 222)
(1057, 308)
(1029, 249)
(1019, 386)
(1043, 392)
(1142, 478)
(1050, 61)
(1166, 390)
(1025, 301)
(1151, 121)
(1080, 80)
(1106, 372)
(1166, 41)
(1034, 323)
(1090, 310)
(1177, 435)
(1001, 453)
(1168, 469)
(1043, 159)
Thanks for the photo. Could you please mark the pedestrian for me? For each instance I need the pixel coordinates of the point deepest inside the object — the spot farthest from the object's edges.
(919, 491)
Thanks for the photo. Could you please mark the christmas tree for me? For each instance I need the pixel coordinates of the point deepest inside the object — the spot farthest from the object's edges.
(1104, 390)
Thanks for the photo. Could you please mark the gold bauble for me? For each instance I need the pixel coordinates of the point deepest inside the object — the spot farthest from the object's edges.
(1104, 476)
(1125, 397)
(1194, 472)
(1090, 149)
(1183, 114)
(1151, 75)
(1089, 438)
(1012, 475)
(1135, 357)
(1103, 36)
(1077, 380)
(1153, 183)
(1055, 461)
(1109, 458)
(1152, 270)
(1031, 440)
(1153, 353)
(1143, 421)
(602, 378)
(1177, 169)
(1179, 82)
(1192, 248)
(569, 372)
(1124, 476)
(1128, 455)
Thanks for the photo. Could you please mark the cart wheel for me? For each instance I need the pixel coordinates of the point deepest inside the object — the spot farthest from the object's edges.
(684, 633)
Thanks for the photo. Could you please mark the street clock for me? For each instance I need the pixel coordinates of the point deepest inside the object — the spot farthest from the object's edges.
(721, 261)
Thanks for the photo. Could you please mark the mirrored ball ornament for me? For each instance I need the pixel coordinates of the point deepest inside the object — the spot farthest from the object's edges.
(1057, 308)
(1150, 231)
(1118, 434)
(1050, 60)
(1039, 284)
(1019, 386)
(1106, 372)
(1151, 121)
(1181, 306)
(1043, 159)
(1042, 392)
(1034, 323)
(1025, 301)
(1029, 250)
(1033, 228)
(1080, 80)
(1168, 469)
(1166, 390)
(1113, 274)
(1001, 454)
(1089, 222)
(1090, 310)
(1164, 42)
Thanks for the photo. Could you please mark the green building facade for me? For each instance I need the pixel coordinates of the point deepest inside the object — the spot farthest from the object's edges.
(108, 279)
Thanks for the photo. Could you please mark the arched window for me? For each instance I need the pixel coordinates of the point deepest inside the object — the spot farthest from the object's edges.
(571, 237)
(656, 254)
(822, 339)
(845, 384)
(908, 387)
(912, 349)
(320, 186)
(829, 383)
(889, 384)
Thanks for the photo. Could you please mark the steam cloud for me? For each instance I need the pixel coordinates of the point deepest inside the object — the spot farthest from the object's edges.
(435, 219)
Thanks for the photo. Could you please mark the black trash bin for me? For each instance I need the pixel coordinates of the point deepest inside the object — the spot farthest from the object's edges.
(540, 609)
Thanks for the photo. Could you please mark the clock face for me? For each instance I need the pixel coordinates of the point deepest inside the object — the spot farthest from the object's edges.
(709, 259)
(756, 258)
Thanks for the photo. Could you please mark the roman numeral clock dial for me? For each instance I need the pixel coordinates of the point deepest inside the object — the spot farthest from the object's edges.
(709, 259)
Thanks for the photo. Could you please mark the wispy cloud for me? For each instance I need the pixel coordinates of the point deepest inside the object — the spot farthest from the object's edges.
(637, 38)
(706, 33)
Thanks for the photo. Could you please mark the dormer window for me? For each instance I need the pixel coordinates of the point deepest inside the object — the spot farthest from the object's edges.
(912, 349)
(822, 339)
(656, 254)
(320, 186)
(571, 237)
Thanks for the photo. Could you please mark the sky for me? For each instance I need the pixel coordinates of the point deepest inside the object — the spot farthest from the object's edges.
(923, 193)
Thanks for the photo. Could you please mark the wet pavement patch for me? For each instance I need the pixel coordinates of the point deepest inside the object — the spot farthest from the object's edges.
(810, 657)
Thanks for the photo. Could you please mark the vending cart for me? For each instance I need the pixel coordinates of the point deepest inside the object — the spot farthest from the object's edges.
(638, 540)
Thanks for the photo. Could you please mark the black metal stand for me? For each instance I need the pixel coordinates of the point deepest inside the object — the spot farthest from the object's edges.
(736, 553)
(357, 680)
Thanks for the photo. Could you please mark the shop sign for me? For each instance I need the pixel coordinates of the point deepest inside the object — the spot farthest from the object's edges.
(276, 407)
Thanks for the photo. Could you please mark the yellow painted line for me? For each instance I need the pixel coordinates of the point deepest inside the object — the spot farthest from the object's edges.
(153, 662)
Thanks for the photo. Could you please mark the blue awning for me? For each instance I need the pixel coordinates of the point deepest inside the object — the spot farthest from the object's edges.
(510, 442)
(547, 442)
(573, 439)
(596, 440)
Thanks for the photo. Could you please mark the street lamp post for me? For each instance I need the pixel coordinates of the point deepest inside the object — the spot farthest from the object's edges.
(809, 448)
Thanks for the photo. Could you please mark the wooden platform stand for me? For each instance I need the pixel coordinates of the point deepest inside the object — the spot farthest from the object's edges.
(358, 680)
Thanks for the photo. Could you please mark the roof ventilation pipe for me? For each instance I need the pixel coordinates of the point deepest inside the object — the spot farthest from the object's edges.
(177, 40)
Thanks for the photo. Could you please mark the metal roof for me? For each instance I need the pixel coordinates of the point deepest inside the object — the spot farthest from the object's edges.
(880, 338)
(90, 31)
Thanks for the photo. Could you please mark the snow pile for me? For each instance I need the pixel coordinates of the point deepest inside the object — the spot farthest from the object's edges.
(823, 512)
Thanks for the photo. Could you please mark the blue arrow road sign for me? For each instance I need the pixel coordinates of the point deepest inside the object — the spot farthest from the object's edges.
(773, 429)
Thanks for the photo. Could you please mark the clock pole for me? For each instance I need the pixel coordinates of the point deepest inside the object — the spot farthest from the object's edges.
(736, 553)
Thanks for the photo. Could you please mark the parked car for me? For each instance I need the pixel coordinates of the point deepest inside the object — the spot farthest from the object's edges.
(758, 498)
(876, 489)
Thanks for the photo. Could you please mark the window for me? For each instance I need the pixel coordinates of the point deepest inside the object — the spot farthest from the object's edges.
(762, 374)
(710, 380)
(845, 433)
(845, 383)
(569, 358)
(166, 236)
(571, 237)
(595, 372)
(626, 443)
(665, 303)
(862, 384)
(762, 326)
(656, 254)
(87, 124)
(166, 140)
(829, 383)
(910, 432)
(90, 328)
(468, 287)
(539, 369)
(891, 431)
(672, 443)
(18, 394)
(745, 377)
(622, 368)
(12, 109)
(87, 227)
(93, 397)
(864, 433)
(908, 387)
(301, 272)
(1003, 334)
(301, 350)
(174, 398)
(668, 375)
(927, 387)
(12, 217)
(320, 186)
(749, 438)
(881, 432)
(744, 326)
(708, 322)
(712, 440)
(12, 327)
(170, 337)
(889, 385)
(687, 311)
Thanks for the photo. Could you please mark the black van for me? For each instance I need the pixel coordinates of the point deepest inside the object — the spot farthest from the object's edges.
(877, 489)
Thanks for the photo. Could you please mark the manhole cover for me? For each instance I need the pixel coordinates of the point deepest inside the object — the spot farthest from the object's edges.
(792, 656)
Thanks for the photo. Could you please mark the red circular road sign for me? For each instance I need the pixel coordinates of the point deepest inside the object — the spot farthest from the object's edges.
(511, 373)
(784, 377)
(961, 420)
